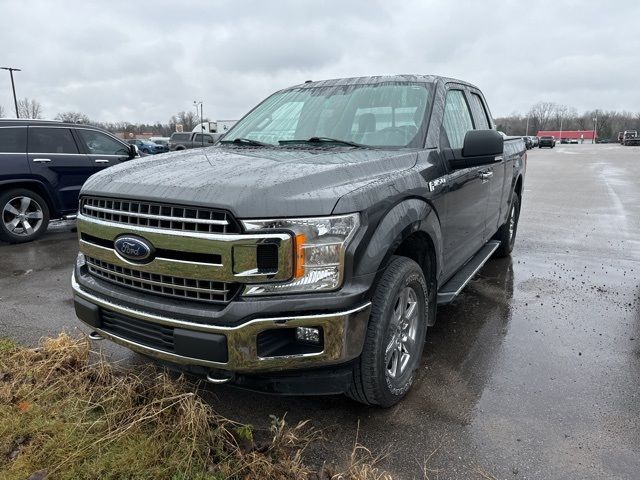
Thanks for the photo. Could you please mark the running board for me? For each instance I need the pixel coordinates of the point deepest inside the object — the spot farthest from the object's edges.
(454, 286)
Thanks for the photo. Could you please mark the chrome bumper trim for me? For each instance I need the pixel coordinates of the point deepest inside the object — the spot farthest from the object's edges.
(344, 334)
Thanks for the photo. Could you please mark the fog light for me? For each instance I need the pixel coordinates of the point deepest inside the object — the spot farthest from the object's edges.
(308, 334)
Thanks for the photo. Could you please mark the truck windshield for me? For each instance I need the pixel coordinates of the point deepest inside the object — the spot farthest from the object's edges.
(377, 115)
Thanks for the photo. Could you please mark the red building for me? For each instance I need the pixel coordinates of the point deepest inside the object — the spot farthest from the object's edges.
(578, 134)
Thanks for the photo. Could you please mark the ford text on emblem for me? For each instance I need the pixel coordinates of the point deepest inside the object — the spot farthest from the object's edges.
(134, 249)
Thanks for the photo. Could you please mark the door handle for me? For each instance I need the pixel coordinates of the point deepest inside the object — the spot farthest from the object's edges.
(486, 175)
(101, 160)
(41, 160)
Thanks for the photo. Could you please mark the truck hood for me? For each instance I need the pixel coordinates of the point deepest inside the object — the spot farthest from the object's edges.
(250, 182)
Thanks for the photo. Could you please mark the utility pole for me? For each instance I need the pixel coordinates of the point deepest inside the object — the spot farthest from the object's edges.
(561, 118)
(195, 104)
(595, 127)
(527, 132)
(13, 86)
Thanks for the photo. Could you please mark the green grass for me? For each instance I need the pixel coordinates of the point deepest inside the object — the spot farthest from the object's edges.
(74, 418)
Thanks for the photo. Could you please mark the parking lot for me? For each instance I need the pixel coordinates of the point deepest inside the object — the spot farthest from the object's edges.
(533, 372)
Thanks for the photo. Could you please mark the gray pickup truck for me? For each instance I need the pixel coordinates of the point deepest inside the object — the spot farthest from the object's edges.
(185, 140)
(308, 251)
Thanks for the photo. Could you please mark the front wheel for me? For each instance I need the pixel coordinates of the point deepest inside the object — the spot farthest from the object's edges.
(24, 216)
(395, 336)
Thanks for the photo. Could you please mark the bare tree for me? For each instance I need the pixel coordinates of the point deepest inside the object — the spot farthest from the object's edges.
(541, 113)
(72, 117)
(29, 108)
(188, 120)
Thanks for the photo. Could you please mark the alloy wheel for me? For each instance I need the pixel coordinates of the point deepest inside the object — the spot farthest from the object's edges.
(402, 344)
(22, 216)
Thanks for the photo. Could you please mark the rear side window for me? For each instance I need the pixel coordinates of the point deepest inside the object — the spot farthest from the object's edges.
(457, 118)
(51, 140)
(479, 113)
(13, 140)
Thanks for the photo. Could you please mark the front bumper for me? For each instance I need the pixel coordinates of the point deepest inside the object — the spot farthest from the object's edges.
(228, 348)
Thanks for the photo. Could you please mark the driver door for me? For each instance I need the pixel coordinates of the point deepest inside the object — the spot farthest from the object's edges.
(466, 200)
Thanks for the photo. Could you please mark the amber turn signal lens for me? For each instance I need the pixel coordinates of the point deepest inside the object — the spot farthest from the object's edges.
(298, 271)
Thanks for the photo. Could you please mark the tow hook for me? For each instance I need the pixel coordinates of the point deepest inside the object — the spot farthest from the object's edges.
(218, 377)
(95, 336)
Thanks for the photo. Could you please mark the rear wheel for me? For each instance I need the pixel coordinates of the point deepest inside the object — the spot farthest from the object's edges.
(24, 216)
(395, 336)
(507, 232)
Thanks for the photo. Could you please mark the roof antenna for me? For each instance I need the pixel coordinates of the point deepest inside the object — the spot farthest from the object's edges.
(308, 81)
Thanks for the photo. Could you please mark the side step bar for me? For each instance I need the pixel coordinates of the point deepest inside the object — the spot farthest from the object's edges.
(454, 286)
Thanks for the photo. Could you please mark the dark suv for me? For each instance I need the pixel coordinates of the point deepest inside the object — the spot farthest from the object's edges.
(43, 165)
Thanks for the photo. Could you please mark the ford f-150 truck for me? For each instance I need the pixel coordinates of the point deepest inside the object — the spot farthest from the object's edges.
(308, 251)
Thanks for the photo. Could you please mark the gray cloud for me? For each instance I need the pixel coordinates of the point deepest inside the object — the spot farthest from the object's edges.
(138, 61)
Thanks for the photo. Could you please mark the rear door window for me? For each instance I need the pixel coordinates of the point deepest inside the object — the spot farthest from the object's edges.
(457, 118)
(51, 140)
(13, 140)
(98, 143)
(198, 138)
(479, 112)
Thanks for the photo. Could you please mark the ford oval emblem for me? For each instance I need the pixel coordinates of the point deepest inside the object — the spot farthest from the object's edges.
(134, 249)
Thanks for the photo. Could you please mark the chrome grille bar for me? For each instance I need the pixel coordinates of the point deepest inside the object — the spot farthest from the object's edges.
(157, 215)
(166, 285)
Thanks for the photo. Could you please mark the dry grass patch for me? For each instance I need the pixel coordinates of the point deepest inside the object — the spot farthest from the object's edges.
(68, 417)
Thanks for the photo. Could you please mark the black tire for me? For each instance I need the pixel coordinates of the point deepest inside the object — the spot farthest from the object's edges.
(506, 234)
(14, 227)
(372, 384)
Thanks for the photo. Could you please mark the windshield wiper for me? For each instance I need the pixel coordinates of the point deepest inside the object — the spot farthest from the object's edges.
(321, 140)
(247, 141)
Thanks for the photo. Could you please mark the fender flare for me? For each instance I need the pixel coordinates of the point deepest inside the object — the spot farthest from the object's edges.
(43, 188)
(405, 218)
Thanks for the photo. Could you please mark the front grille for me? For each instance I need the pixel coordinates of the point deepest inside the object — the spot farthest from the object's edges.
(164, 285)
(145, 333)
(158, 215)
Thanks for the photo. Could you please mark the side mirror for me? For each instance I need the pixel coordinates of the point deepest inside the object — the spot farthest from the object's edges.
(481, 147)
(133, 151)
(482, 143)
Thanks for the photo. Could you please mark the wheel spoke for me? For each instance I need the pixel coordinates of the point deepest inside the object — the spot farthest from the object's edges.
(27, 226)
(37, 215)
(13, 224)
(411, 311)
(398, 366)
(390, 346)
(404, 298)
(397, 313)
(11, 209)
(392, 364)
(24, 204)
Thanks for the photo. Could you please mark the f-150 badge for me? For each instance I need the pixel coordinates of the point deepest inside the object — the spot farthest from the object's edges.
(433, 184)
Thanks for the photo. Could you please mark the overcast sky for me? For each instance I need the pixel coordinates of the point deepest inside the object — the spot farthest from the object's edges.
(144, 61)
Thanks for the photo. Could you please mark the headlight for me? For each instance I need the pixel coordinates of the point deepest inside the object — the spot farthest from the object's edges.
(319, 246)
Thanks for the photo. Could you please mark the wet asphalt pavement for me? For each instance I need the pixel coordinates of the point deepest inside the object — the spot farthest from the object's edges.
(533, 373)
